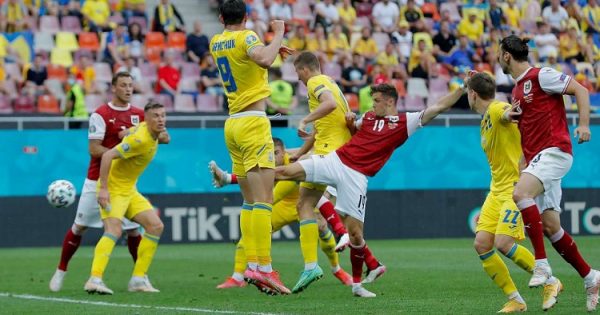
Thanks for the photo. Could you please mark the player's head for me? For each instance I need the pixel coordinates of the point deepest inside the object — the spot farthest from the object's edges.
(279, 151)
(480, 86)
(155, 117)
(307, 65)
(232, 12)
(513, 49)
(122, 87)
(384, 97)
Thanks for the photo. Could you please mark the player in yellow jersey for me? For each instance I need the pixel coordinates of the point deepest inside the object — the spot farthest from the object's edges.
(243, 60)
(118, 197)
(328, 109)
(500, 224)
(285, 195)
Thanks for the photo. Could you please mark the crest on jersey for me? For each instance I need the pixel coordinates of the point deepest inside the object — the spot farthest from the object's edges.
(135, 120)
(251, 39)
(527, 87)
(125, 147)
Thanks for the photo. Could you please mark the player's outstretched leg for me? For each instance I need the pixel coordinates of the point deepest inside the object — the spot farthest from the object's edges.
(237, 278)
(327, 242)
(375, 269)
(220, 177)
(70, 245)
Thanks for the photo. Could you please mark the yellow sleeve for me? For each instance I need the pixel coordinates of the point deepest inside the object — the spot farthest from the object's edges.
(316, 87)
(251, 40)
(282, 189)
(131, 146)
(496, 110)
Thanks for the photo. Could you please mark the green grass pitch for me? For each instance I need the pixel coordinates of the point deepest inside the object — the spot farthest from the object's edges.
(442, 276)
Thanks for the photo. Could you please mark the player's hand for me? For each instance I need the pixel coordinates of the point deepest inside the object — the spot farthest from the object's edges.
(513, 115)
(104, 199)
(583, 133)
(285, 52)
(302, 133)
(123, 133)
(278, 26)
(164, 137)
(350, 117)
(294, 157)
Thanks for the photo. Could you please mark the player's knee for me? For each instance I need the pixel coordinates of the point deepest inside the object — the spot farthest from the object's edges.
(78, 229)
(482, 246)
(520, 194)
(155, 228)
(504, 245)
(113, 228)
(550, 228)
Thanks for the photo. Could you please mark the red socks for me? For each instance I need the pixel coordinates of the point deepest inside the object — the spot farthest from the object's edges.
(333, 219)
(567, 248)
(357, 258)
(69, 247)
(133, 242)
(534, 228)
(370, 260)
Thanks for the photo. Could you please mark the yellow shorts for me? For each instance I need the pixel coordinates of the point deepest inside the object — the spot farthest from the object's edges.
(249, 141)
(127, 206)
(284, 213)
(500, 215)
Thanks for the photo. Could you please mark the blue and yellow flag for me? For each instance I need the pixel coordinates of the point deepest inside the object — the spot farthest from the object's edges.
(21, 42)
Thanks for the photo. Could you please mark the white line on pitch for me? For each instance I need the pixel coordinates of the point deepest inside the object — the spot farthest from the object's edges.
(100, 303)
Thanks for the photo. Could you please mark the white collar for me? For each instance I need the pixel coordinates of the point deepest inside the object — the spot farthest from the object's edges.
(117, 108)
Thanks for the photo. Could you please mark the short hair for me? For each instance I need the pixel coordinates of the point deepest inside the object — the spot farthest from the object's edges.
(278, 142)
(307, 59)
(121, 74)
(386, 90)
(483, 84)
(232, 11)
(515, 46)
(152, 105)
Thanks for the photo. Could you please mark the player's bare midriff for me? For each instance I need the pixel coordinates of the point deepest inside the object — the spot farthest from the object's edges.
(260, 105)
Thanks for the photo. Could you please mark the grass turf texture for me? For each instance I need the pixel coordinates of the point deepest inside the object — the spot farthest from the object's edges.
(424, 276)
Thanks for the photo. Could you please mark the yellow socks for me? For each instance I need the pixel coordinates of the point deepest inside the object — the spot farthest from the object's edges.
(522, 257)
(247, 235)
(261, 228)
(240, 258)
(309, 238)
(328, 247)
(146, 251)
(102, 254)
(496, 269)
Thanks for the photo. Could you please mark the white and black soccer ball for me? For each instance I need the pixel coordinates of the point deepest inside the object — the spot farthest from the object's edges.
(61, 193)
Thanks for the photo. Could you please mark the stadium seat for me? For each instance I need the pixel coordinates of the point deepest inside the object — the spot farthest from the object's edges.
(49, 24)
(153, 55)
(288, 72)
(184, 103)
(11, 88)
(117, 19)
(31, 22)
(103, 72)
(24, 104)
(48, 104)
(352, 100)
(334, 70)
(146, 86)
(438, 85)
(301, 10)
(139, 100)
(57, 72)
(190, 70)
(414, 103)
(56, 88)
(148, 71)
(188, 84)
(71, 24)
(67, 41)
(61, 57)
(176, 40)
(417, 86)
(430, 10)
(434, 97)
(141, 21)
(165, 100)
(93, 101)
(452, 8)
(362, 22)
(43, 41)
(208, 103)
(89, 41)
(5, 107)
(13, 71)
(381, 39)
(400, 104)
(399, 84)
(155, 40)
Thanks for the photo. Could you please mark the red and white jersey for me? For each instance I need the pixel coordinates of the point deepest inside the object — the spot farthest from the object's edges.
(105, 124)
(543, 123)
(378, 137)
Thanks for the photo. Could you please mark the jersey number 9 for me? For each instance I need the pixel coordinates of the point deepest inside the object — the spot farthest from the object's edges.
(226, 75)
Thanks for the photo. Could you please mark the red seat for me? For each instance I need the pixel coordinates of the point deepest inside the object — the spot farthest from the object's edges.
(5, 107)
(48, 104)
(352, 100)
(155, 40)
(24, 104)
(89, 41)
(71, 24)
(57, 72)
(176, 40)
(208, 103)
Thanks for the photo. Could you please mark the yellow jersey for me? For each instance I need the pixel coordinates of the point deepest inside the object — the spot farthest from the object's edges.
(245, 82)
(331, 130)
(137, 151)
(501, 142)
(286, 190)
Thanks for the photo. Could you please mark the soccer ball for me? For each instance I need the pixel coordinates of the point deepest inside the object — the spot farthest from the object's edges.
(61, 193)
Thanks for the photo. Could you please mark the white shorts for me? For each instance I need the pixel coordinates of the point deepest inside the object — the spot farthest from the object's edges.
(351, 185)
(88, 211)
(550, 166)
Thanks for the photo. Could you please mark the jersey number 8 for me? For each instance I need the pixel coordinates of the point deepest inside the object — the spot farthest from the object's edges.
(226, 75)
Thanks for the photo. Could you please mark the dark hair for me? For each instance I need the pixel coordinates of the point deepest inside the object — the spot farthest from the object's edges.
(122, 74)
(483, 84)
(387, 90)
(232, 11)
(308, 60)
(152, 105)
(278, 142)
(515, 46)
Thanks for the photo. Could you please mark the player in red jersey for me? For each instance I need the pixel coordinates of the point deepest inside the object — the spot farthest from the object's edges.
(540, 110)
(107, 126)
(380, 132)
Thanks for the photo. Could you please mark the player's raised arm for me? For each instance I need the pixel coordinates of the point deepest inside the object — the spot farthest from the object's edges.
(582, 99)
(264, 56)
(327, 105)
(441, 106)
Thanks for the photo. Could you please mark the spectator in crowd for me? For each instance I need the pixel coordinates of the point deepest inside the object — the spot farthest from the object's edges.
(443, 42)
(136, 73)
(35, 78)
(326, 14)
(421, 60)
(529, 14)
(552, 62)
(404, 38)
(282, 100)
(75, 100)
(572, 45)
(96, 14)
(281, 11)
(504, 82)
(136, 40)
(73, 8)
(256, 24)
(209, 77)
(319, 44)
(167, 18)
(168, 76)
(512, 12)
(366, 45)
(262, 10)
(338, 44)
(590, 23)
(546, 42)
(134, 8)
(462, 55)
(13, 16)
(354, 76)
(3, 90)
(471, 27)
(385, 16)
(495, 16)
(575, 11)
(298, 40)
(555, 15)
(347, 15)
(117, 45)
(388, 59)
(196, 43)
(411, 14)
(363, 8)
(445, 17)
(84, 70)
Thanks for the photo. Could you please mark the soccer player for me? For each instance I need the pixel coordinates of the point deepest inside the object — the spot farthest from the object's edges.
(242, 60)
(500, 224)
(380, 132)
(107, 126)
(328, 108)
(285, 199)
(539, 107)
(118, 197)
